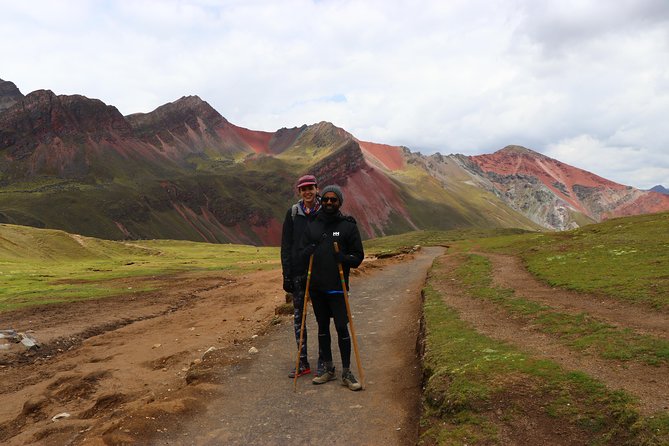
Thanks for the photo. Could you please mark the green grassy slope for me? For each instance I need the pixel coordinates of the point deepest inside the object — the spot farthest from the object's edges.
(626, 258)
(145, 206)
(39, 266)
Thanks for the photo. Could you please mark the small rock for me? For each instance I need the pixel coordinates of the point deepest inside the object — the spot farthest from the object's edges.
(28, 342)
(253, 350)
(10, 334)
(209, 350)
(60, 416)
(156, 345)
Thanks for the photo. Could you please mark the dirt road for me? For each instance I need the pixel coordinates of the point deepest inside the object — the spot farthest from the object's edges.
(174, 367)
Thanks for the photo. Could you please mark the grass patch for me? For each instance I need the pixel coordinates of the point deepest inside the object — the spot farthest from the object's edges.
(47, 266)
(626, 258)
(479, 391)
(579, 331)
(402, 242)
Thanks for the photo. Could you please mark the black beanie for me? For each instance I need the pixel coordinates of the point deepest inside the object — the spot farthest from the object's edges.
(337, 191)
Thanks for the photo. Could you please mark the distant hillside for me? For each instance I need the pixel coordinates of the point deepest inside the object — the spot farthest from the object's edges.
(659, 188)
(557, 195)
(183, 171)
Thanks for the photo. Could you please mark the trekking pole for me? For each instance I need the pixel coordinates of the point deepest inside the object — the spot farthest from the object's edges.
(304, 316)
(350, 318)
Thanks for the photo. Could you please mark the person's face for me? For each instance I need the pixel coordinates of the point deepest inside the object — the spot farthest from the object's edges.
(308, 194)
(330, 202)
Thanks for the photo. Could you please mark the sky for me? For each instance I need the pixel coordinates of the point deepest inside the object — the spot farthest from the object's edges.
(582, 81)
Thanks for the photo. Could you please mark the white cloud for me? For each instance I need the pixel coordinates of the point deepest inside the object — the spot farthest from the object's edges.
(624, 164)
(465, 76)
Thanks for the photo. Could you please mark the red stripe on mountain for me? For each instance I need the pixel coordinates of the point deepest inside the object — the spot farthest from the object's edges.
(389, 156)
(258, 141)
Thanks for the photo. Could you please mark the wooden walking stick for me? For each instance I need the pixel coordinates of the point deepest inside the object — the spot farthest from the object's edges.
(304, 316)
(350, 319)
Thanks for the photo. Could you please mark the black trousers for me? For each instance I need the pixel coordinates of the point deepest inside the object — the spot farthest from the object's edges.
(328, 306)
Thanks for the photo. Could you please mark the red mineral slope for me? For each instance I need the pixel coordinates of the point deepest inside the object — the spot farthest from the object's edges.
(387, 156)
(373, 211)
(258, 141)
(557, 176)
(584, 191)
(647, 203)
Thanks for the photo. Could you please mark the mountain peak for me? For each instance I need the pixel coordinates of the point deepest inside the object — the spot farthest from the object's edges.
(187, 109)
(661, 189)
(9, 94)
(190, 101)
(520, 150)
(185, 104)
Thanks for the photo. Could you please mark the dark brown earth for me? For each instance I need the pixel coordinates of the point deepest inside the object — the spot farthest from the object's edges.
(141, 370)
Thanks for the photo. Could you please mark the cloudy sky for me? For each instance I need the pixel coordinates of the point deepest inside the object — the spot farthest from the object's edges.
(583, 81)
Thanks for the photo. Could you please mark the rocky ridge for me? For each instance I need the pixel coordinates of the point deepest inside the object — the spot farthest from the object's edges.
(556, 195)
(9, 94)
(184, 171)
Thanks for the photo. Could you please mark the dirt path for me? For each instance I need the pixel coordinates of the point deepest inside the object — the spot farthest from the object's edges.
(647, 383)
(255, 402)
(509, 272)
(173, 367)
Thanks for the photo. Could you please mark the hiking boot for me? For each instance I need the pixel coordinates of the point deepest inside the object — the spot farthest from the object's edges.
(304, 369)
(348, 380)
(324, 376)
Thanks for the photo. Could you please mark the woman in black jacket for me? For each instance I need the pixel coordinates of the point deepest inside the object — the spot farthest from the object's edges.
(294, 272)
(325, 288)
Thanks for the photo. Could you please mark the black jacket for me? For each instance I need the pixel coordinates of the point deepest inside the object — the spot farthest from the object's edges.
(293, 227)
(319, 237)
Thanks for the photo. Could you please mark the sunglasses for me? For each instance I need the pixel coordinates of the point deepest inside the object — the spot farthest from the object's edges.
(329, 199)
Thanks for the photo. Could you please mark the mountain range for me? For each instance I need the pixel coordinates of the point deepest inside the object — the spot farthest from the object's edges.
(183, 171)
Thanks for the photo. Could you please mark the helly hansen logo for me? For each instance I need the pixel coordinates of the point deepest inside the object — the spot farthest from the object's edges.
(335, 234)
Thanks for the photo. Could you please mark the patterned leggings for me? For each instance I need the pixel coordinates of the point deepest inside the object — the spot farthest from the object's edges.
(298, 307)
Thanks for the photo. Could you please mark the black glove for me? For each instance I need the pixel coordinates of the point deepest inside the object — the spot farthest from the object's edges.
(344, 259)
(288, 285)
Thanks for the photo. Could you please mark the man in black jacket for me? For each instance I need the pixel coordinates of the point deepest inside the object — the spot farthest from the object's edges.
(294, 272)
(325, 289)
